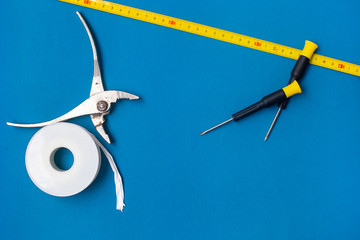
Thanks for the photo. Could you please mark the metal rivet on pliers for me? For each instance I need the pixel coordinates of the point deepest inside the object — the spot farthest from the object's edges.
(102, 106)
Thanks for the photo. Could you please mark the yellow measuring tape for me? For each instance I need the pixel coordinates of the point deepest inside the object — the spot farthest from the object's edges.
(215, 33)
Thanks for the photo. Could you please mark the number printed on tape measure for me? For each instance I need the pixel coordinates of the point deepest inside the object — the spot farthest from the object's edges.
(215, 33)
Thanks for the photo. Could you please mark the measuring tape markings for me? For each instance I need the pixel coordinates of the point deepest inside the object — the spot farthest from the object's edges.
(215, 33)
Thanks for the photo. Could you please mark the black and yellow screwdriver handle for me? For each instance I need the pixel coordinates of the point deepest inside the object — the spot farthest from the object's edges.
(300, 66)
(269, 100)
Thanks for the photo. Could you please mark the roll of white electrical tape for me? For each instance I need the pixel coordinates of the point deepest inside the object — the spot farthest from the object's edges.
(41, 167)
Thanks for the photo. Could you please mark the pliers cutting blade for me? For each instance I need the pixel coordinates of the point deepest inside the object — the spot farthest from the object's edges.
(97, 105)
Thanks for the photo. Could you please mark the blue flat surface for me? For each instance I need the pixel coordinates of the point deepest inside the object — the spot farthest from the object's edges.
(303, 183)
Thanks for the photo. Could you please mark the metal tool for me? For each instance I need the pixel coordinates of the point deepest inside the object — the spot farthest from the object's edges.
(267, 101)
(296, 74)
(97, 105)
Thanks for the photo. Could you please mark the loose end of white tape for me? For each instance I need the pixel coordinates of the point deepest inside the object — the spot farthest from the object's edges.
(119, 188)
(119, 192)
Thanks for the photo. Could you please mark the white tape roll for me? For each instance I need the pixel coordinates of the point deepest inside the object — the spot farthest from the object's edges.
(84, 146)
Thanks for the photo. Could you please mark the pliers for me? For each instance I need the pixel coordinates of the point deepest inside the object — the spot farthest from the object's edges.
(97, 105)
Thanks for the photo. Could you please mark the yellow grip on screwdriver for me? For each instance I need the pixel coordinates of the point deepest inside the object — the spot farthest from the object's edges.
(292, 89)
(309, 49)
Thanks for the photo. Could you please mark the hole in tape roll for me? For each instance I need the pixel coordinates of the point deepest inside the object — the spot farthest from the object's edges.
(62, 159)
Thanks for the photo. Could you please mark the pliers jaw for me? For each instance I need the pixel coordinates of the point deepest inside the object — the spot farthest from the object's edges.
(103, 105)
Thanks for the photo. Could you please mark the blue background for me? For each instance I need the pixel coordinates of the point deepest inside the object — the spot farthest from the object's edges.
(303, 183)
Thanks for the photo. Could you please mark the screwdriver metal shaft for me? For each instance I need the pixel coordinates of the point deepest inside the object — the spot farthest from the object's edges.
(219, 125)
(273, 123)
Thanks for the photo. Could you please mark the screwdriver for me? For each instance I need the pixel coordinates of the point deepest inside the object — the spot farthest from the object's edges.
(267, 101)
(296, 74)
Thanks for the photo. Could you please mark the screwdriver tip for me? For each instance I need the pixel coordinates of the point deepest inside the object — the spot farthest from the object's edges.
(204, 132)
(216, 126)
